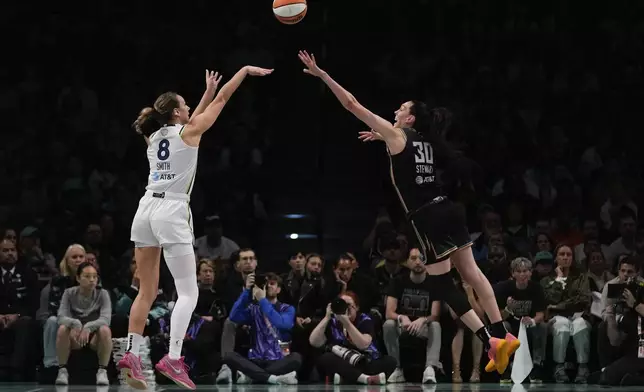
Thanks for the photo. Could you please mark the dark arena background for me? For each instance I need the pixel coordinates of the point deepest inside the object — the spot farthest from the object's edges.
(546, 100)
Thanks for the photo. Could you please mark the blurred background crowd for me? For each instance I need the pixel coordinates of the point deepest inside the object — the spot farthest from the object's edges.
(545, 97)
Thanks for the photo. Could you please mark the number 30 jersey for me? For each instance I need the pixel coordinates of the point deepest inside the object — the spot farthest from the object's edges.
(413, 172)
(173, 163)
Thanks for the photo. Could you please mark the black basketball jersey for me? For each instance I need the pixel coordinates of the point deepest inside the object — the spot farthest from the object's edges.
(413, 172)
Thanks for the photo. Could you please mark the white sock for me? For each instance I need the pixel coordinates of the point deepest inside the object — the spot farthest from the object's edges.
(363, 379)
(175, 348)
(134, 341)
(272, 379)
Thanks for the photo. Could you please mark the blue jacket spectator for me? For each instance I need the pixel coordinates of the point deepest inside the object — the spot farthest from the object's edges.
(269, 359)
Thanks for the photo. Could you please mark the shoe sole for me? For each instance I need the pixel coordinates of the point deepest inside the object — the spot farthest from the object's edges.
(178, 382)
(503, 354)
(493, 365)
(510, 348)
(133, 382)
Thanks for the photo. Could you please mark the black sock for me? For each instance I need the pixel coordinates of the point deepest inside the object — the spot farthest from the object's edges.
(102, 367)
(62, 366)
(484, 335)
(498, 330)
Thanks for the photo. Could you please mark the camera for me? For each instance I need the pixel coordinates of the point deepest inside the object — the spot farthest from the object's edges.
(260, 280)
(616, 290)
(352, 356)
(339, 306)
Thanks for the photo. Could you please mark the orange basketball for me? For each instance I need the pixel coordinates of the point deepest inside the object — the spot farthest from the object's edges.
(289, 11)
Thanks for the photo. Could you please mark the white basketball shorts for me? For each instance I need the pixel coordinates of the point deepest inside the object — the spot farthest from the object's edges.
(162, 218)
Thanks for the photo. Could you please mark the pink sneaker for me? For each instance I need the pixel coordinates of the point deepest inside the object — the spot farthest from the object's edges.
(176, 370)
(130, 367)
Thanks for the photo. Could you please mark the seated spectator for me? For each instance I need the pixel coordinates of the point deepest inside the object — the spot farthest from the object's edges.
(293, 279)
(230, 287)
(543, 266)
(614, 308)
(457, 341)
(522, 301)
(392, 265)
(50, 297)
(412, 313)
(625, 336)
(84, 316)
(352, 356)
(269, 359)
(518, 232)
(209, 307)
(497, 266)
(598, 269)
(18, 303)
(311, 296)
(214, 245)
(31, 253)
(9, 234)
(590, 229)
(347, 278)
(490, 225)
(625, 244)
(542, 243)
(567, 296)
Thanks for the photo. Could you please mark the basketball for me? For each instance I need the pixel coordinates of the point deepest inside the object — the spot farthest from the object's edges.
(289, 11)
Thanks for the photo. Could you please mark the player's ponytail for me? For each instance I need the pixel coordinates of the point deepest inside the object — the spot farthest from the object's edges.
(434, 124)
(152, 118)
(148, 122)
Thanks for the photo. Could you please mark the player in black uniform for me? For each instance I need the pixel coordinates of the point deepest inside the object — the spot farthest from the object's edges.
(414, 144)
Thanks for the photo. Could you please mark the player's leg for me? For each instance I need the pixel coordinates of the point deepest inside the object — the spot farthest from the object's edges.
(174, 231)
(180, 259)
(147, 255)
(456, 241)
(147, 260)
(445, 224)
(463, 260)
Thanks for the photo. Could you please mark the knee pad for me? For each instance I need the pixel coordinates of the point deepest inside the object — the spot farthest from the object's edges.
(455, 298)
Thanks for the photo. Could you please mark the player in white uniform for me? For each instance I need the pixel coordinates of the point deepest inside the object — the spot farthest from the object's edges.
(163, 219)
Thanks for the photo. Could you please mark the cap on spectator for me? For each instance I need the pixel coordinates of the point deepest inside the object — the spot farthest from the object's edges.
(543, 257)
(29, 231)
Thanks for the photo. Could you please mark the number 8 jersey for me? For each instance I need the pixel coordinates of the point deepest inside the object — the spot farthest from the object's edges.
(413, 172)
(173, 163)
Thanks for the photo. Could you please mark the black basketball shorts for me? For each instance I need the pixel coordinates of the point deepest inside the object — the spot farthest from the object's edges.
(441, 229)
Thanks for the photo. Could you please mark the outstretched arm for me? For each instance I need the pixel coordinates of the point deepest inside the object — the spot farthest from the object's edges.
(212, 81)
(202, 122)
(378, 124)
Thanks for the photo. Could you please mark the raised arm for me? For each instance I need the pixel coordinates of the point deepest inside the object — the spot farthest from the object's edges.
(202, 122)
(378, 124)
(212, 81)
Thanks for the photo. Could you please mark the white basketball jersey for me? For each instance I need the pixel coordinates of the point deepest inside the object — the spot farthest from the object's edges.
(173, 163)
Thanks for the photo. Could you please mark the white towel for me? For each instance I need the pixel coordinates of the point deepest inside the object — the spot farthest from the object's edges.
(522, 365)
